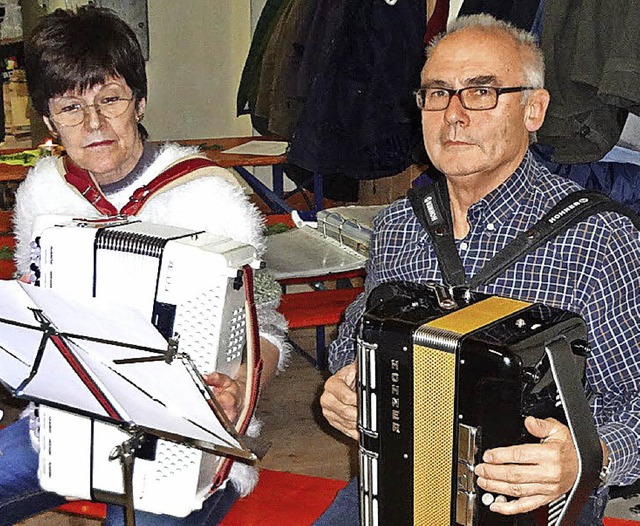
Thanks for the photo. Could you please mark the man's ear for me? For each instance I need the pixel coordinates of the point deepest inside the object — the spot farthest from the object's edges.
(536, 109)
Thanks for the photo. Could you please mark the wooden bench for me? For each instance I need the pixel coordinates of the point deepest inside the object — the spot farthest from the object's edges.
(7, 266)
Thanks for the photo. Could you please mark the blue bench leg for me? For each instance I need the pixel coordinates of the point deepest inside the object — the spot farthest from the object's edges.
(321, 350)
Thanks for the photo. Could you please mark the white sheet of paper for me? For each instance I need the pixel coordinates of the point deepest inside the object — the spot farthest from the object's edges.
(97, 318)
(274, 148)
(154, 395)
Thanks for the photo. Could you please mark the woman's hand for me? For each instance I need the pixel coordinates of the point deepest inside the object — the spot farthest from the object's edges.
(229, 393)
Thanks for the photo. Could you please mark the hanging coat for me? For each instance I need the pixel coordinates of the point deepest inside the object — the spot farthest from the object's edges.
(360, 116)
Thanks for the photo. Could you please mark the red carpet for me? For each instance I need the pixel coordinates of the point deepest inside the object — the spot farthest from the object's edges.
(284, 499)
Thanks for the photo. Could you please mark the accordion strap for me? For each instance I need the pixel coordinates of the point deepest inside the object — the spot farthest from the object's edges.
(164, 181)
(431, 206)
(81, 179)
(254, 373)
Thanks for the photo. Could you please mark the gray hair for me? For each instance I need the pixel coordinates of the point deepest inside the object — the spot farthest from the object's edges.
(533, 59)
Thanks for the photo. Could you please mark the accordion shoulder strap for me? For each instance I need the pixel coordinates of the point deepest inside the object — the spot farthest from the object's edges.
(431, 206)
(170, 177)
(175, 174)
(254, 373)
(82, 181)
(568, 212)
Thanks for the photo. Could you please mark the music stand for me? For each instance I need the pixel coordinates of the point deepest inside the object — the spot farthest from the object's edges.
(107, 362)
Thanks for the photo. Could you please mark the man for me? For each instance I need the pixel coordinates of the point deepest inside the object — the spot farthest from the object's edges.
(483, 99)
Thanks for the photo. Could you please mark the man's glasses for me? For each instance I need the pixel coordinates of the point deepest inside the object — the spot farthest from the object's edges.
(110, 102)
(471, 98)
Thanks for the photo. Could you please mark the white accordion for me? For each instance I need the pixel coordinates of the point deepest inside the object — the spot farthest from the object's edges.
(188, 284)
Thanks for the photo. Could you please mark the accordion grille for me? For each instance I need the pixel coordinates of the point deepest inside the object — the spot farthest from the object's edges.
(434, 419)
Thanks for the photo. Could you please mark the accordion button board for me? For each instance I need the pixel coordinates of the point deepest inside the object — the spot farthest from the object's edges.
(442, 377)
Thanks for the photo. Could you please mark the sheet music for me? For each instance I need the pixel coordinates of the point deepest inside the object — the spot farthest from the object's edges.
(96, 318)
(273, 148)
(153, 395)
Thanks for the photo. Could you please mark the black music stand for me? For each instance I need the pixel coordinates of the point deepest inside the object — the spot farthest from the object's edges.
(107, 362)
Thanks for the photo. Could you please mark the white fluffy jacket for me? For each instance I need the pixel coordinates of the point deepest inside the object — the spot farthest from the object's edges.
(212, 202)
(208, 203)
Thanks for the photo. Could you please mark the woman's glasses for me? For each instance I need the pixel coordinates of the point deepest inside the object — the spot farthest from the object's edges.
(110, 102)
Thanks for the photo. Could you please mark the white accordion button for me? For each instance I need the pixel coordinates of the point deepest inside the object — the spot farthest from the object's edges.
(487, 499)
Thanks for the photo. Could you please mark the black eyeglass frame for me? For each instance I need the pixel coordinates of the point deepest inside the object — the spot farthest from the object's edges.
(453, 92)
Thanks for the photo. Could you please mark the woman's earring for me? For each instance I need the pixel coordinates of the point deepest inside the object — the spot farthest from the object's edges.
(139, 117)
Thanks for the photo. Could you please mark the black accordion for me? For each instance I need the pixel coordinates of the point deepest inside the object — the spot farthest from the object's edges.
(444, 375)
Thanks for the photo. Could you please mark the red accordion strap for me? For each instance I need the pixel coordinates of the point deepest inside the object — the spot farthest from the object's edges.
(175, 172)
(82, 181)
(254, 371)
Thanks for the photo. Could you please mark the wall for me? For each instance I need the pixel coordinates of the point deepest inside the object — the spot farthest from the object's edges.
(197, 52)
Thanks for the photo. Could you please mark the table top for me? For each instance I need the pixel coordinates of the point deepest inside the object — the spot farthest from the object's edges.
(212, 148)
(12, 172)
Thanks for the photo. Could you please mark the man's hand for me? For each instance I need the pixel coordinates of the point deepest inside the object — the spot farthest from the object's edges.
(536, 474)
(229, 393)
(339, 401)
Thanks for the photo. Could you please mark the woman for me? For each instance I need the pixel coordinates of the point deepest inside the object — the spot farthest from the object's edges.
(86, 76)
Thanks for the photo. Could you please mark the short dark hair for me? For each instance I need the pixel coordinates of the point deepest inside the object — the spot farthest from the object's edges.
(76, 50)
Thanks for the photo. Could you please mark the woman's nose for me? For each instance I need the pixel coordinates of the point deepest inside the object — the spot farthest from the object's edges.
(92, 117)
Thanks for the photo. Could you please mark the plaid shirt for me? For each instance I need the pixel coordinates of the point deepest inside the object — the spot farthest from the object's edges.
(592, 269)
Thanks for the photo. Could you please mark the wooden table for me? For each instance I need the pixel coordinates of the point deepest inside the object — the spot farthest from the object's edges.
(11, 175)
(213, 148)
(12, 172)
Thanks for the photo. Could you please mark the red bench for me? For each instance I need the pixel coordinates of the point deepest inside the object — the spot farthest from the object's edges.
(318, 309)
(284, 499)
(7, 267)
(280, 499)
